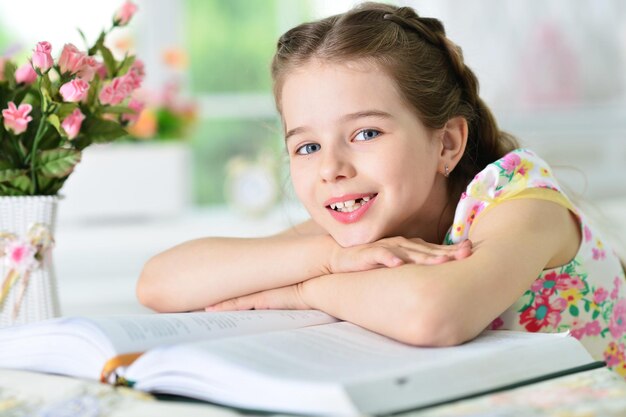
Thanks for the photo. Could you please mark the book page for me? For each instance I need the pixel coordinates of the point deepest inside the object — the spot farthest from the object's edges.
(342, 352)
(138, 333)
(332, 368)
(81, 346)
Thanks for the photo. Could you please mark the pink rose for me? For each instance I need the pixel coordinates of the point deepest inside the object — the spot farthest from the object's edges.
(42, 57)
(116, 91)
(17, 118)
(75, 90)
(72, 123)
(26, 74)
(136, 73)
(135, 105)
(89, 68)
(125, 13)
(71, 59)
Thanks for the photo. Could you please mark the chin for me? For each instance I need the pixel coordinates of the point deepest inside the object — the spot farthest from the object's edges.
(347, 239)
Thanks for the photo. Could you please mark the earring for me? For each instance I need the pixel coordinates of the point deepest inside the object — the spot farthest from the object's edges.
(447, 171)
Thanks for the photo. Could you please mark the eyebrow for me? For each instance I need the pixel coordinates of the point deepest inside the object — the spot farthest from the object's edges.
(348, 117)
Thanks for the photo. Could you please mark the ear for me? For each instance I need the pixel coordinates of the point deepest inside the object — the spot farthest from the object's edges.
(453, 141)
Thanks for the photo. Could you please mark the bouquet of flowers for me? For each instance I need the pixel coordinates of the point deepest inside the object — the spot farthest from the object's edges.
(52, 110)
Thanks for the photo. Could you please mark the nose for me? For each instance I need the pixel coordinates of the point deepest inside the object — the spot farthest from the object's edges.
(336, 164)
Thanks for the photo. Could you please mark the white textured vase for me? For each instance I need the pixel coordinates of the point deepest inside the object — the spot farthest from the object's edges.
(40, 299)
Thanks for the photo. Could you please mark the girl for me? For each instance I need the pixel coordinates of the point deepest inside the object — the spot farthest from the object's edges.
(427, 224)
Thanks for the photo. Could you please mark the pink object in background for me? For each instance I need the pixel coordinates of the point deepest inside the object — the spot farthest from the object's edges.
(549, 69)
(26, 74)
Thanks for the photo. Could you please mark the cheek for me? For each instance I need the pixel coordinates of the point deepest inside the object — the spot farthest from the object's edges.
(302, 183)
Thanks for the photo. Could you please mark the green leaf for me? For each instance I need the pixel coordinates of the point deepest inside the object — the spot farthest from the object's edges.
(9, 74)
(20, 184)
(109, 61)
(573, 310)
(8, 153)
(100, 41)
(6, 190)
(20, 93)
(53, 119)
(92, 93)
(118, 110)
(84, 38)
(50, 186)
(46, 91)
(52, 139)
(4, 164)
(102, 131)
(58, 163)
(8, 174)
(126, 64)
(595, 315)
(65, 109)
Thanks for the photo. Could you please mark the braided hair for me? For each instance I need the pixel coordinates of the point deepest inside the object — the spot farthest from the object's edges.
(427, 67)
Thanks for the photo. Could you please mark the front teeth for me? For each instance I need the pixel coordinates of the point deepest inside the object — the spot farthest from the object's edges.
(348, 205)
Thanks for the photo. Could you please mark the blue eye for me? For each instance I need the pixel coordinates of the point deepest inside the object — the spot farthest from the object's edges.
(309, 148)
(367, 134)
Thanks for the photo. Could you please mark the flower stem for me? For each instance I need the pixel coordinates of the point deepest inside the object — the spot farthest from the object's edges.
(16, 144)
(41, 130)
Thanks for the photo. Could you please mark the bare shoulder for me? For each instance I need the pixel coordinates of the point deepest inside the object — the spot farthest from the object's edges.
(307, 228)
(542, 230)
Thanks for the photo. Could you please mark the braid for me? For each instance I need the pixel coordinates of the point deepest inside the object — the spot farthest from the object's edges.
(432, 31)
(486, 142)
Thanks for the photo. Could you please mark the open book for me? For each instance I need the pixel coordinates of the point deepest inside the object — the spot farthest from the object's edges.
(287, 361)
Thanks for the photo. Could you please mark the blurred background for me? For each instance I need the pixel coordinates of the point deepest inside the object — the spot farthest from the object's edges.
(206, 156)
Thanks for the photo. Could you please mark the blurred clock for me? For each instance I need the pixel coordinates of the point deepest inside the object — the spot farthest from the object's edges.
(251, 186)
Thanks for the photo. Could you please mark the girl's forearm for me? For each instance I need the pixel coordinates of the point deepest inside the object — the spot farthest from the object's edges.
(202, 272)
(412, 303)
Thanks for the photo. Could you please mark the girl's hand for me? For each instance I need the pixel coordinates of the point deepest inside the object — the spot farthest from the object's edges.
(284, 298)
(395, 251)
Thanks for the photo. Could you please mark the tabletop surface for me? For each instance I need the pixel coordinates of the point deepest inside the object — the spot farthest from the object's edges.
(598, 392)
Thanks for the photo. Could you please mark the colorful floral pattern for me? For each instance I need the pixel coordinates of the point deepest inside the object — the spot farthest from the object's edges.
(586, 297)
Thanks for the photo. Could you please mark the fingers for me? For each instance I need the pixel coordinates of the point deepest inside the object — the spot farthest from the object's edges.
(388, 258)
(464, 249)
(396, 251)
(432, 254)
(435, 249)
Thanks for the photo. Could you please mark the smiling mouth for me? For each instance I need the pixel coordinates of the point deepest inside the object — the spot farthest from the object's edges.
(349, 206)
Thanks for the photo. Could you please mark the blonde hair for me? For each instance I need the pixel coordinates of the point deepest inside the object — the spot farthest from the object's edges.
(414, 51)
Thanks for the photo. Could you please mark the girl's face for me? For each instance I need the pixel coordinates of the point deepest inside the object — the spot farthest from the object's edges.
(361, 162)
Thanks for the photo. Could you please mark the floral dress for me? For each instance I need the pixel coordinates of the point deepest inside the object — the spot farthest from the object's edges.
(587, 296)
